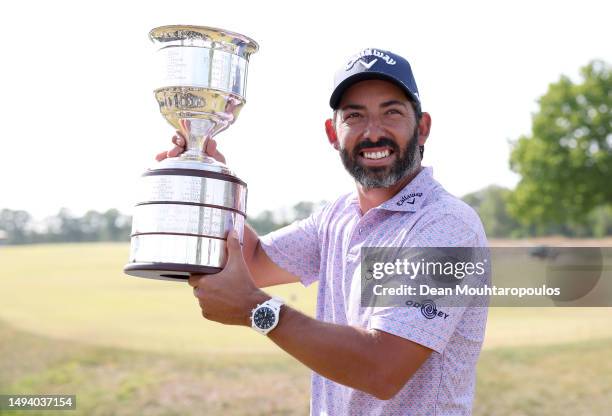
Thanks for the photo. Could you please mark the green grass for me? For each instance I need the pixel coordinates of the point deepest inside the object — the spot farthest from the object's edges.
(569, 379)
(112, 381)
(566, 379)
(79, 292)
(72, 322)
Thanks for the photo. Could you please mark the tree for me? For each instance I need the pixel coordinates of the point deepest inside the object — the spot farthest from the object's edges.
(265, 222)
(303, 209)
(491, 205)
(15, 225)
(93, 226)
(117, 226)
(70, 226)
(566, 162)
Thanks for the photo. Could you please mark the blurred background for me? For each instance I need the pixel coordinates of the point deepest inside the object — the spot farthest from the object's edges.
(520, 96)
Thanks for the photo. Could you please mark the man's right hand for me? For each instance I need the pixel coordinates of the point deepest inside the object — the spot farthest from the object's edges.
(180, 145)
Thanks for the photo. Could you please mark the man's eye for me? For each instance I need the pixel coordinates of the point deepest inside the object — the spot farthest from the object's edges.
(353, 115)
(394, 111)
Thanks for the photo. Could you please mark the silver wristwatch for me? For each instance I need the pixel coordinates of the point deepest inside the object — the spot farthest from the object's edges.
(264, 317)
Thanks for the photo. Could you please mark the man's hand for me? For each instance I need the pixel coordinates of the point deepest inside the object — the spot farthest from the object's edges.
(229, 296)
(180, 145)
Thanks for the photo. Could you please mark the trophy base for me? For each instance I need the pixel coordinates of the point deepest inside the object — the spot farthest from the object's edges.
(167, 271)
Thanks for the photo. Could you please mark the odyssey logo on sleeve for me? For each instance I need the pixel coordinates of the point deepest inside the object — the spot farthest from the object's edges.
(428, 309)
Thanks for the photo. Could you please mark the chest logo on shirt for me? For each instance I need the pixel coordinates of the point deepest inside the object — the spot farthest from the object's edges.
(408, 199)
(428, 309)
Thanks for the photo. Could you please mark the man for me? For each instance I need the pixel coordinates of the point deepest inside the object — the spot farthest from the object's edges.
(366, 361)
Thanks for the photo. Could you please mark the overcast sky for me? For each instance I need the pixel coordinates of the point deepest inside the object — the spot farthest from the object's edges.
(80, 122)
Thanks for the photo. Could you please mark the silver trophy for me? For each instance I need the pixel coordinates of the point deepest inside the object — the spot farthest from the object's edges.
(188, 204)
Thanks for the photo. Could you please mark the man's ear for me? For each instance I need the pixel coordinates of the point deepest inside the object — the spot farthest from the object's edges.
(424, 128)
(331, 133)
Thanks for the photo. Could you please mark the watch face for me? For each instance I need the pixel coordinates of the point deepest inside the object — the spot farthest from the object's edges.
(264, 318)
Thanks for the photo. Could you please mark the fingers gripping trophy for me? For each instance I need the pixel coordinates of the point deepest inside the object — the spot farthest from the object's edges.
(188, 204)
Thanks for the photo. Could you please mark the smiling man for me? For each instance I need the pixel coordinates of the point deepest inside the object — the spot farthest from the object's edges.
(365, 360)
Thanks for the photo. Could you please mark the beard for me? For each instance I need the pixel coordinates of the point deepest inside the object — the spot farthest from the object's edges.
(407, 160)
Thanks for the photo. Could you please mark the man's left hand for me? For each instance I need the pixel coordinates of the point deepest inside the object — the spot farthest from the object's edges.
(229, 296)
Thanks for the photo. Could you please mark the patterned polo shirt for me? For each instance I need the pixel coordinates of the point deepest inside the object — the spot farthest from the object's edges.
(325, 247)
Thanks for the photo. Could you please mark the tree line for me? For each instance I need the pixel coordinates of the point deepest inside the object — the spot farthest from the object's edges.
(19, 227)
(493, 206)
(491, 203)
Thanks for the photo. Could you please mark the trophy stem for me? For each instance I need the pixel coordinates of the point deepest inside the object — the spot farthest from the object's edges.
(197, 132)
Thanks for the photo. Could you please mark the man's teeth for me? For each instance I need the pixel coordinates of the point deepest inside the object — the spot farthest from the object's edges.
(376, 155)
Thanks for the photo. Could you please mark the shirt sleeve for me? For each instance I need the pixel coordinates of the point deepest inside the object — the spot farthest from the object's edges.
(425, 324)
(296, 248)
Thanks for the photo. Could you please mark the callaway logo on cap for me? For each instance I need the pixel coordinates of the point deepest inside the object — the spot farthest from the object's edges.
(374, 63)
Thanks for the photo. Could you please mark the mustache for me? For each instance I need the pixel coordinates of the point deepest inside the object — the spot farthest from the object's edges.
(368, 144)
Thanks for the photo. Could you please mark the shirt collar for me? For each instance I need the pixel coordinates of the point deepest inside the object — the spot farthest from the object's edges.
(411, 197)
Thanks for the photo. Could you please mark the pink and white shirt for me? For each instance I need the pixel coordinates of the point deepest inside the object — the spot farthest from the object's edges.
(325, 247)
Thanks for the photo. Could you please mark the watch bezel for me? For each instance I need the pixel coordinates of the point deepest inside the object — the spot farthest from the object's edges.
(260, 310)
(274, 304)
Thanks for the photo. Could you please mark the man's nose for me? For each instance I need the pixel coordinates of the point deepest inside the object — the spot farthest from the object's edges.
(373, 130)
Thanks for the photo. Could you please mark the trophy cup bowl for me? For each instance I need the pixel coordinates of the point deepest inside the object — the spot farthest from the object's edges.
(188, 204)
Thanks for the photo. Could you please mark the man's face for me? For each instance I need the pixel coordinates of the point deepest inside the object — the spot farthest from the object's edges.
(377, 133)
